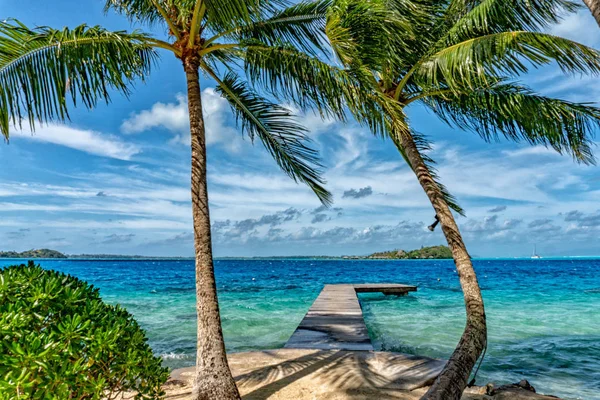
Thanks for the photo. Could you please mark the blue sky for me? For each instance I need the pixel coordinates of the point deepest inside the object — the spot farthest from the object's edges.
(115, 180)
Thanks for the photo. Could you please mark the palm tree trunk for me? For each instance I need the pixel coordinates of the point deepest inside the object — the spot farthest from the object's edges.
(594, 6)
(213, 377)
(452, 381)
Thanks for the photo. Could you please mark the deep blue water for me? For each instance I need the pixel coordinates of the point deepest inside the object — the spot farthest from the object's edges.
(543, 315)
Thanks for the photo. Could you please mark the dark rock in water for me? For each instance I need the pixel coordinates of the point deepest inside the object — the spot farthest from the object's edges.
(526, 385)
(517, 391)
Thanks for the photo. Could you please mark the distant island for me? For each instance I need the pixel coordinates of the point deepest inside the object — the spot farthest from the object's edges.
(47, 253)
(431, 252)
(41, 253)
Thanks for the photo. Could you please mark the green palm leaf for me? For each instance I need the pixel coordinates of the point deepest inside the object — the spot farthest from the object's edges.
(307, 82)
(518, 114)
(301, 25)
(366, 32)
(39, 67)
(293, 75)
(276, 127)
(137, 10)
(474, 62)
(495, 16)
(229, 15)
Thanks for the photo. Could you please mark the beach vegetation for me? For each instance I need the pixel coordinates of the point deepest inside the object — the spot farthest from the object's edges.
(59, 340)
(461, 60)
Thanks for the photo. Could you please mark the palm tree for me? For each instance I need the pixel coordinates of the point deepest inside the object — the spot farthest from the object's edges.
(459, 59)
(276, 47)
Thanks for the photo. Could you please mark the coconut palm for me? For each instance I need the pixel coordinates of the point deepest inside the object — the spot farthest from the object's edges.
(247, 47)
(459, 59)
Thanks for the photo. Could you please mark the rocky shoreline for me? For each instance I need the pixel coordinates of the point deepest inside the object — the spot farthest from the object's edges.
(522, 390)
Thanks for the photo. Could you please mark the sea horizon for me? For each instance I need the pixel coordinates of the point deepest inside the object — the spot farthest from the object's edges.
(299, 258)
(296, 257)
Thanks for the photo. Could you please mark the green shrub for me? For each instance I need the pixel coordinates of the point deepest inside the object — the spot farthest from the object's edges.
(58, 340)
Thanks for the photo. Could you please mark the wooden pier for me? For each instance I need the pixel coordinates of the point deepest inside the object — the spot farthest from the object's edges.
(329, 356)
(335, 320)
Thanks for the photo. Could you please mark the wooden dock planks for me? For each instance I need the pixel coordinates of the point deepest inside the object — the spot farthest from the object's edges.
(385, 288)
(335, 320)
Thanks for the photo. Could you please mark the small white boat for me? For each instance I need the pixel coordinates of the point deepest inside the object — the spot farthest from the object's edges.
(535, 255)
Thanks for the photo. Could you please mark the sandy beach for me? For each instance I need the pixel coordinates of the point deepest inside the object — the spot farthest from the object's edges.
(293, 374)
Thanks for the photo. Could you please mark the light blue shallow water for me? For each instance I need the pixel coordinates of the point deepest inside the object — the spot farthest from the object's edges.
(543, 315)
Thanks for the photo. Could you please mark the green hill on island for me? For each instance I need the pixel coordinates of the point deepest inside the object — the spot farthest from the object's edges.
(40, 253)
(432, 252)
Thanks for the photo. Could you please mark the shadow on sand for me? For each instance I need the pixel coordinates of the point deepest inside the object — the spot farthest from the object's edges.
(322, 374)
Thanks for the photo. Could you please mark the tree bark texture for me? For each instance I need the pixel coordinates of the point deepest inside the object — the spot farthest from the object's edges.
(452, 381)
(213, 377)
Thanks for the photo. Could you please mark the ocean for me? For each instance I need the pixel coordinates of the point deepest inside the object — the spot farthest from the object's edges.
(543, 315)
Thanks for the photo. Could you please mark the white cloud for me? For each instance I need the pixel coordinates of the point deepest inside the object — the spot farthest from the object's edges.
(80, 139)
(174, 117)
(531, 151)
(485, 175)
(352, 150)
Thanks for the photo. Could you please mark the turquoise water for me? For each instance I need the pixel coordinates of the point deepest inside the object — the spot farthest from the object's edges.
(543, 315)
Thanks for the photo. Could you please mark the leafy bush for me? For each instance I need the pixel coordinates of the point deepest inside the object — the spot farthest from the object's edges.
(58, 340)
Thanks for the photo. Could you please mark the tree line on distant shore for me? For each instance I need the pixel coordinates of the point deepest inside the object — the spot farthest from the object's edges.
(39, 253)
(48, 253)
(363, 59)
(431, 252)
(422, 253)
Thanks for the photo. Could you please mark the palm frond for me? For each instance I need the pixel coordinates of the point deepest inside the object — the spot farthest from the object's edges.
(231, 15)
(301, 25)
(495, 16)
(283, 137)
(474, 62)
(309, 83)
(144, 11)
(344, 48)
(39, 67)
(292, 75)
(516, 113)
(366, 32)
(226, 58)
